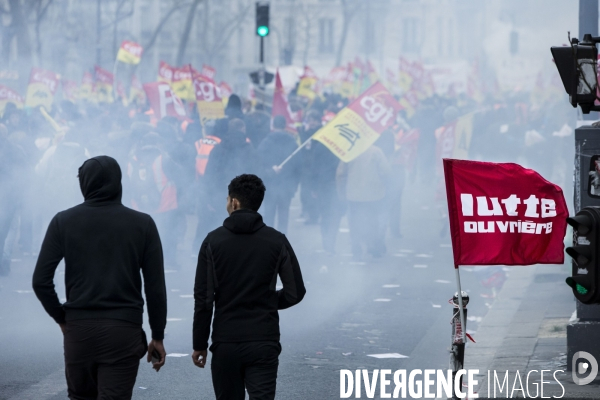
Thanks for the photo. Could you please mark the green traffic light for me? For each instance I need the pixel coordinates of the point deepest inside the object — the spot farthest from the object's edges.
(262, 31)
(580, 289)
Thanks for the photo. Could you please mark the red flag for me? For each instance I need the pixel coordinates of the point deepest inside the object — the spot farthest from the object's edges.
(163, 101)
(280, 104)
(503, 214)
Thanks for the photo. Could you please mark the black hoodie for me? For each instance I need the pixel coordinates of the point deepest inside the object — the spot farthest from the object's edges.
(237, 270)
(105, 245)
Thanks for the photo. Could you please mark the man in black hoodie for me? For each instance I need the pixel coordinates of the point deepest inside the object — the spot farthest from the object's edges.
(104, 245)
(237, 270)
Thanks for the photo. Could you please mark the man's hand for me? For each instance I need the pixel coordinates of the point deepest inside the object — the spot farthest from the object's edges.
(63, 328)
(158, 346)
(199, 358)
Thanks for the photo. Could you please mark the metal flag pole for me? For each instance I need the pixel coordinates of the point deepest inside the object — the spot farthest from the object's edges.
(460, 306)
(294, 153)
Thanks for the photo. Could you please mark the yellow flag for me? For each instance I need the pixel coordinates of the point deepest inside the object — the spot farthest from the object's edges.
(41, 88)
(130, 53)
(358, 126)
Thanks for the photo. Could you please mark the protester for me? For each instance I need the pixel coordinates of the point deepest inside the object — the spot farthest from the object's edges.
(282, 181)
(107, 249)
(241, 260)
(232, 157)
(362, 182)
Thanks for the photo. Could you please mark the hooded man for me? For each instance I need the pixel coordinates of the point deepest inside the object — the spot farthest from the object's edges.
(105, 246)
(237, 271)
(282, 182)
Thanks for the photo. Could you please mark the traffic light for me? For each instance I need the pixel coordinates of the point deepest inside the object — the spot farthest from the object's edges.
(262, 19)
(586, 255)
(577, 65)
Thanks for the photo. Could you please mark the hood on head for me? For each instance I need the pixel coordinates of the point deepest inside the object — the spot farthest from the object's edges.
(244, 221)
(100, 180)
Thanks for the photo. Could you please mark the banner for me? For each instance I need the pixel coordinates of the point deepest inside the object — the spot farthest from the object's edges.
(308, 83)
(86, 91)
(226, 91)
(209, 72)
(103, 88)
(182, 83)
(453, 140)
(356, 127)
(7, 95)
(503, 214)
(130, 53)
(208, 98)
(70, 90)
(163, 101)
(333, 81)
(41, 88)
(280, 104)
(165, 72)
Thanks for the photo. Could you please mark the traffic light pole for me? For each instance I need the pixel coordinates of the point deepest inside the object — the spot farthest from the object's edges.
(262, 51)
(584, 330)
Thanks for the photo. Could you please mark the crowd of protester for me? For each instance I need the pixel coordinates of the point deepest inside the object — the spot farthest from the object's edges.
(173, 169)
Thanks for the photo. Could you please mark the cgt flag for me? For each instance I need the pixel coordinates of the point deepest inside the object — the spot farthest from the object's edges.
(41, 88)
(163, 101)
(503, 214)
(8, 95)
(208, 98)
(130, 53)
(358, 126)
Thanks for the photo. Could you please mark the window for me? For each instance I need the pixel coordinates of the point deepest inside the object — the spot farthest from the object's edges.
(325, 35)
(410, 38)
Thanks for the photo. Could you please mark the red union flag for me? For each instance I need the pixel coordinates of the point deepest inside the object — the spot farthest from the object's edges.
(503, 214)
(163, 101)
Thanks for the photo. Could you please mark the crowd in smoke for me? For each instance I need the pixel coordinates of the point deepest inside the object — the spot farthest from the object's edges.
(174, 168)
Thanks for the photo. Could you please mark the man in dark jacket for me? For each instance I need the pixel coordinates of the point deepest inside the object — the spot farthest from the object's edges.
(104, 245)
(282, 182)
(237, 271)
(230, 158)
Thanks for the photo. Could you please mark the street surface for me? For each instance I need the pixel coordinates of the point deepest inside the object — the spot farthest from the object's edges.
(395, 304)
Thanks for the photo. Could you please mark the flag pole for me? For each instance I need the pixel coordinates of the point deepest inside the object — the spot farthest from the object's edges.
(294, 153)
(460, 306)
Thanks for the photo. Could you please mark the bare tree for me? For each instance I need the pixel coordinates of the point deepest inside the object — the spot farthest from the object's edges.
(17, 29)
(221, 32)
(186, 31)
(177, 5)
(40, 12)
(118, 17)
(309, 14)
(349, 10)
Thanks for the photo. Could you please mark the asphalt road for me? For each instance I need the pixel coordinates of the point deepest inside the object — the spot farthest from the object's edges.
(396, 304)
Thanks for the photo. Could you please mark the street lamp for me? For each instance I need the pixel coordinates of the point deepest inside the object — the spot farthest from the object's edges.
(577, 66)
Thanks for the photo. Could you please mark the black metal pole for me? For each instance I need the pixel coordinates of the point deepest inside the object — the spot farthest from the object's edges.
(262, 50)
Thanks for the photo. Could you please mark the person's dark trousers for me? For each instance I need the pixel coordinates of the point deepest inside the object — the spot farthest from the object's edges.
(102, 357)
(250, 366)
(277, 204)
